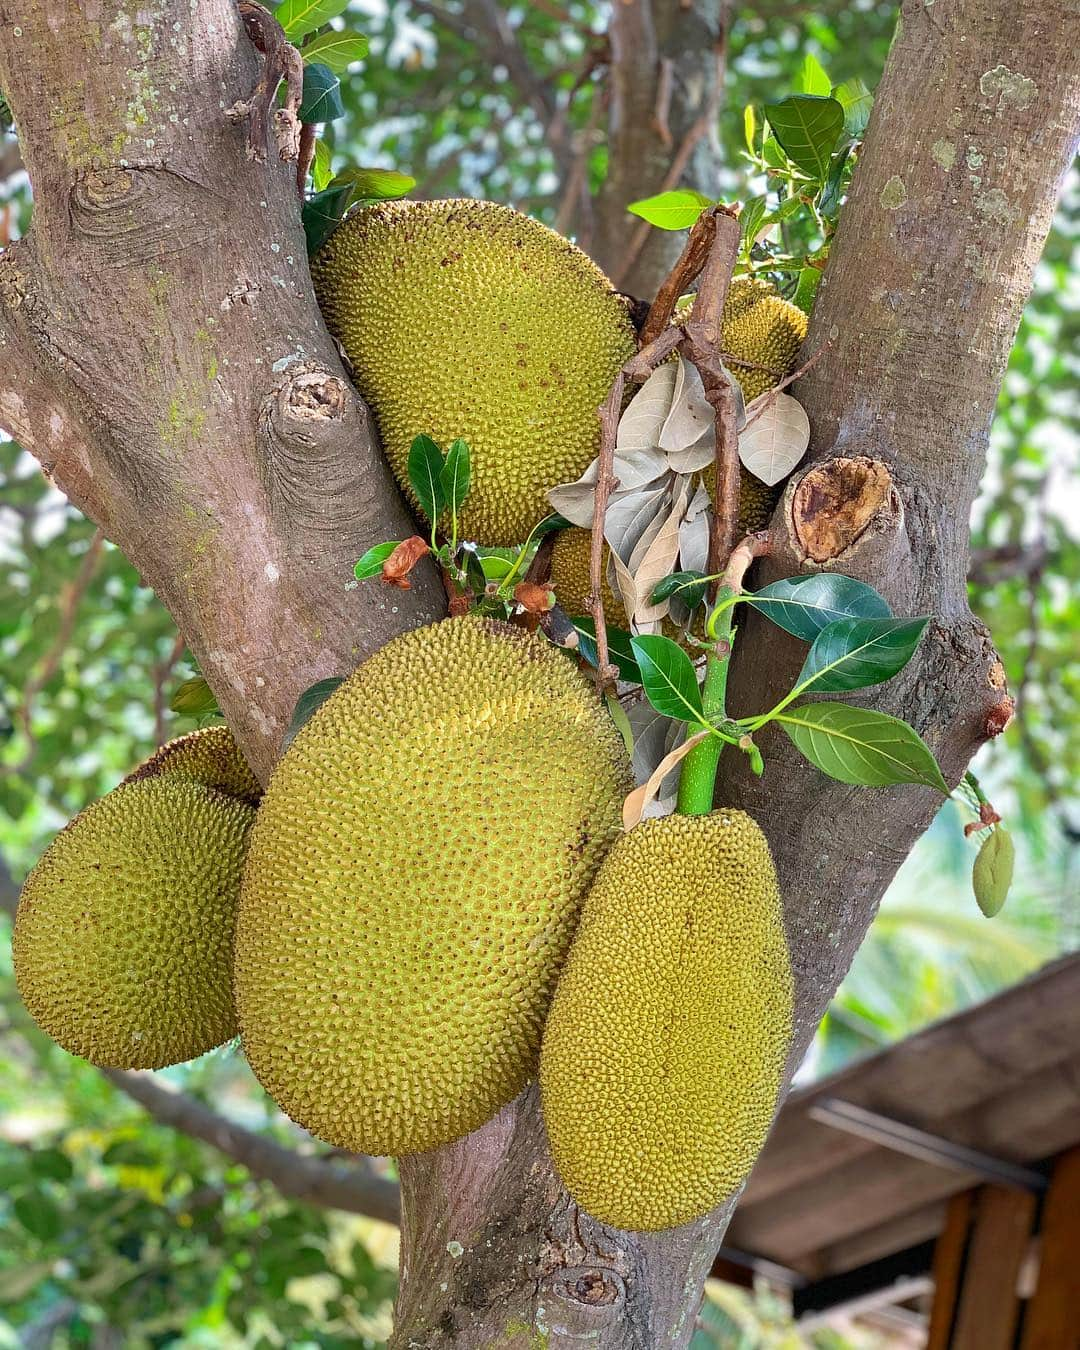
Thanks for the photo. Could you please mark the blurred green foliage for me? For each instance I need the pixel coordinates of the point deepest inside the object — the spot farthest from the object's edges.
(114, 1231)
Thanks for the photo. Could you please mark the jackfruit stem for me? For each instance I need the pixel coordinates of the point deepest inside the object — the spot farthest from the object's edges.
(697, 781)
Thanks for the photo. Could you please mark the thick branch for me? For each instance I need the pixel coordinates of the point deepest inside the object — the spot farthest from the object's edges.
(354, 1187)
(165, 361)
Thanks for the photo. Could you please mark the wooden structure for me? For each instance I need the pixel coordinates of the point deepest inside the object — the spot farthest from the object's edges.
(937, 1184)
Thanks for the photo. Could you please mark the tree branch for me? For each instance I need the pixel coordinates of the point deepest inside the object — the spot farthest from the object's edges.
(354, 1187)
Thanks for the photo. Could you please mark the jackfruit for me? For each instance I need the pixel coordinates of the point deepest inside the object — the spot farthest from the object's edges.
(757, 500)
(413, 882)
(465, 318)
(123, 935)
(665, 1047)
(210, 756)
(569, 578)
(762, 327)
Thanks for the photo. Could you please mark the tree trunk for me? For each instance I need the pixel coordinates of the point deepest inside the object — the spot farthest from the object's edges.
(161, 354)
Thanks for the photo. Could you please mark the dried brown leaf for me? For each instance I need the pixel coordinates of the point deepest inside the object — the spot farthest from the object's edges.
(396, 568)
(635, 804)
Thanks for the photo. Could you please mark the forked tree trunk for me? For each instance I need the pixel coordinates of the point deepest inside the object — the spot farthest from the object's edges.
(161, 354)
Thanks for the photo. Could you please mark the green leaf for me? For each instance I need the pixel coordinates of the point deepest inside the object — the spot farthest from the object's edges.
(456, 476)
(806, 289)
(549, 523)
(668, 678)
(298, 17)
(861, 747)
(992, 874)
(622, 722)
(787, 208)
(322, 94)
(856, 101)
(675, 210)
(374, 185)
(811, 78)
(38, 1215)
(194, 698)
(425, 474)
(804, 605)
(620, 649)
(321, 172)
(127, 1153)
(313, 697)
(749, 121)
(336, 50)
(51, 1163)
(321, 214)
(833, 190)
(690, 587)
(370, 565)
(751, 216)
(856, 653)
(807, 127)
(476, 568)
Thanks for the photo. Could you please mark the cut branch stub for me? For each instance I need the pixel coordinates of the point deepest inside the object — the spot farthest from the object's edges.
(835, 503)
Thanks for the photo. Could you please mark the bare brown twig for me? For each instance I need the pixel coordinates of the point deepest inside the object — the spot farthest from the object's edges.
(159, 674)
(281, 61)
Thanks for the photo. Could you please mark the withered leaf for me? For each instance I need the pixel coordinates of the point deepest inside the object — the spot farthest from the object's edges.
(396, 569)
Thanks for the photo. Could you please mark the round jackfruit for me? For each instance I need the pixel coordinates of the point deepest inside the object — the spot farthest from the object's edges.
(465, 318)
(123, 935)
(414, 880)
(570, 560)
(665, 1048)
(210, 756)
(760, 326)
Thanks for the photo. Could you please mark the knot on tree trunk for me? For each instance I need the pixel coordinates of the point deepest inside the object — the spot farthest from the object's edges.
(309, 427)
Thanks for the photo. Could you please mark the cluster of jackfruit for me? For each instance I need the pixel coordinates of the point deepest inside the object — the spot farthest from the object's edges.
(468, 319)
(761, 326)
(413, 883)
(666, 1043)
(123, 935)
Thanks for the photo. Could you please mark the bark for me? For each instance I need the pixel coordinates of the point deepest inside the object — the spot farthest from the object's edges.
(161, 353)
(665, 85)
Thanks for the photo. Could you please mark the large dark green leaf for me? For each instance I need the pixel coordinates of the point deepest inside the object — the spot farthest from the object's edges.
(425, 474)
(322, 94)
(38, 1215)
(856, 653)
(807, 127)
(861, 747)
(620, 652)
(805, 605)
(51, 1163)
(321, 214)
(668, 678)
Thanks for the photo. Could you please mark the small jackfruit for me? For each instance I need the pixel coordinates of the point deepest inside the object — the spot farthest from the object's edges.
(123, 935)
(210, 756)
(465, 318)
(665, 1047)
(757, 500)
(413, 882)
(762, 327)
(570, 562)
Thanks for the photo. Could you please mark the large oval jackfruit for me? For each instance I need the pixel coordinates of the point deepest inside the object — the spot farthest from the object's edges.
(413, 883)
(123, 935)
(665, 1047)
(465, 318)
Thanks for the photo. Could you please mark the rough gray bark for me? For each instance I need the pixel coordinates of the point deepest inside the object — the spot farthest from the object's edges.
(161, 353)
(665, 84)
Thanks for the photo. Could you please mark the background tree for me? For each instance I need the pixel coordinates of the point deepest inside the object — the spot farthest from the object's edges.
(102, 296)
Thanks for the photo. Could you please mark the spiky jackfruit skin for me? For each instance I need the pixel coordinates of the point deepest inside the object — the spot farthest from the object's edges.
(762, 327)
(757, 500)
(665, 1046)
(123, 935)
(465, 318)
(210, 756)
(413, 883)
(570, 562)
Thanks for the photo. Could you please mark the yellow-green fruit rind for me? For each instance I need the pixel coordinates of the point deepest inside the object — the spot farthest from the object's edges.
(757, 500)
(570, 562)
(667, 1038)
(210, 756)
(413, 883)
(769, 333)
(123, 935)
(465, 318)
